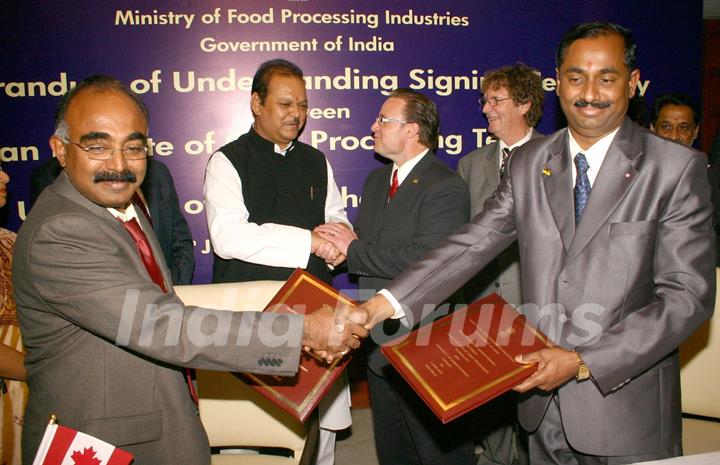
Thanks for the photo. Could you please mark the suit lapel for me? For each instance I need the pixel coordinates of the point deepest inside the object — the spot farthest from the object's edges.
(374, 203)
(492, 167)
(557, 179)
(617, 174)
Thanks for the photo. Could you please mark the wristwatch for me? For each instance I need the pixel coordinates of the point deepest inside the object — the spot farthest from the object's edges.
(583, 372)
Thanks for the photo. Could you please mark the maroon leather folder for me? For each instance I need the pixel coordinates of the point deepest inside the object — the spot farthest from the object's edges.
(300, 394)
(467, 358)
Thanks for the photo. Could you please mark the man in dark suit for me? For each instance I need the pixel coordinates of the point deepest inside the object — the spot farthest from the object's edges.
(161, 200)
(104, 331)
(618, 271)
(407, 207)
(512, 102)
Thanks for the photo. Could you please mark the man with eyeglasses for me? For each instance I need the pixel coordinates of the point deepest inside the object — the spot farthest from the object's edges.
(675, 117)
(512, 102)
(106, 335)
(408, 206)
(264, 194)
(616, 247)
(156, 198)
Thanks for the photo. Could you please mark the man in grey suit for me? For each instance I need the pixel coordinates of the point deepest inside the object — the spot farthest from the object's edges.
(407, 207)
(104, 331)
(617, 271)
(512, 103)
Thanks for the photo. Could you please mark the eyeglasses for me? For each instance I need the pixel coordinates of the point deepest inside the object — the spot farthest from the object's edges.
(493, 101)
(104, 153)
(382, 120)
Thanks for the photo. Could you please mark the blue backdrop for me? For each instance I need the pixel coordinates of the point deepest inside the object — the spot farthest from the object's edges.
(193, 62)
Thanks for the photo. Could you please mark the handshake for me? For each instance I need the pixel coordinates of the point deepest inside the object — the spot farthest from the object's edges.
(330, 241)
(329, 333)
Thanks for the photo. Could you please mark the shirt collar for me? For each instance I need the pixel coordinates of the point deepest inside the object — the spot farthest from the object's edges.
(595, 154)
(518, 143)
(266, 144)
(407, 167)
(127, 215)
(284, 151)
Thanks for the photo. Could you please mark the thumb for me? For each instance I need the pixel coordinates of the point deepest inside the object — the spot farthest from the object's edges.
(339, 318)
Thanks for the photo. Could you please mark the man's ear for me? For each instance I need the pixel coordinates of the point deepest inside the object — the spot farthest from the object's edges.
(557, 81)
(633, 82)
(58, 149)
(525, 107)
(255, 103)
(412, 130)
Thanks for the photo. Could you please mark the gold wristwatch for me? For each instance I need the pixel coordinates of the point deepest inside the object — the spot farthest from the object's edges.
(583, 372)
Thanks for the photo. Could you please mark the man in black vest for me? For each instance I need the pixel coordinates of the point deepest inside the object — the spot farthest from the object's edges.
(266, 191)
(264, 194)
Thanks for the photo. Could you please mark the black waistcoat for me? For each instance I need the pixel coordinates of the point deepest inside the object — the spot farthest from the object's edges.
(288, 189)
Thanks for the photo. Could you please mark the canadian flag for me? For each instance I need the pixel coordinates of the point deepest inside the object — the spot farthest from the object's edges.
(65, 446)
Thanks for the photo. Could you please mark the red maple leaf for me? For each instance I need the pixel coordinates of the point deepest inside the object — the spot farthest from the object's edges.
(87, 457)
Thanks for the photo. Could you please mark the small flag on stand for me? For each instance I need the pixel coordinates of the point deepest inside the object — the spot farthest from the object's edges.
(65, 446)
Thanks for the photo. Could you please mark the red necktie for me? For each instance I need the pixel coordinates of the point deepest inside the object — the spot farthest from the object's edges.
(143, 247)
(393, 185)
(151, 265)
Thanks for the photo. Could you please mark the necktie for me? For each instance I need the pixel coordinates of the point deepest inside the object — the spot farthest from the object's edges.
(503, 164)
(582, 185)
(146, 255)
(151, 265)
(393, 185)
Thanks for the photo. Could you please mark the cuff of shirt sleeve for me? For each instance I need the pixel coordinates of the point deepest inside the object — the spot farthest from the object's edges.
(307, 247)
(399, 312)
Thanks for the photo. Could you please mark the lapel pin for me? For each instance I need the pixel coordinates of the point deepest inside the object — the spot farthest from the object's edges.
(628, 175)
(415, 181)
(546, 172)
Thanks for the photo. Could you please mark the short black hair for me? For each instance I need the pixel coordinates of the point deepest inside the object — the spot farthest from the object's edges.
(678, 99)
(593, 30)
(98, 82)
(421, 110)
(265, 72)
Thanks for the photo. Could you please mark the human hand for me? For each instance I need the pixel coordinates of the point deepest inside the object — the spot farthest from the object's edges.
(337, 234)
(378, 309)
(339, 259)
(329, 253)
(556, 366)
(330, 334)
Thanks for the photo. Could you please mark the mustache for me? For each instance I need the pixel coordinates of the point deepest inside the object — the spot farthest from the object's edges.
(594, 104)
(114, 176)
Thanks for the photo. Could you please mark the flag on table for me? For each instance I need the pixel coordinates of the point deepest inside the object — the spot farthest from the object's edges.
(65, 446)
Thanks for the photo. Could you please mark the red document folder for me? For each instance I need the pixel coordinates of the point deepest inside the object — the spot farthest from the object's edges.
(298, 395)
(465, 359)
